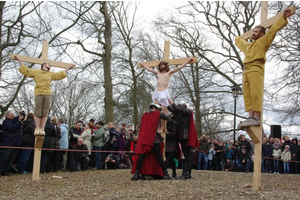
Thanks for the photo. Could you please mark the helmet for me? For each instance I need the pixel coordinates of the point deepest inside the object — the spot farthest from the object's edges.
(156, 105)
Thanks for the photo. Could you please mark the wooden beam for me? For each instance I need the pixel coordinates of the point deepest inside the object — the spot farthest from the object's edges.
(41, 61)
(166, 50)
(264, 11)
(39, 140)
(268, 23)
(178, 61)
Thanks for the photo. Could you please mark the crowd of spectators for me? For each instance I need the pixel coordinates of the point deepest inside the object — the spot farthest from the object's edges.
(96, 145)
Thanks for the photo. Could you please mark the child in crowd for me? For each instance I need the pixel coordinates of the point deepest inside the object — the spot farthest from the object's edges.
(228, 166)
(286, 158)
(276, 155)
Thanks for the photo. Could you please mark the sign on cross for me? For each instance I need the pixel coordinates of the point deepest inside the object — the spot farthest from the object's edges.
(167, 59)
(42, 60)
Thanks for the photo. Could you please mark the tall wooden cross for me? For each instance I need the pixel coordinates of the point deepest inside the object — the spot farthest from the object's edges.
(39, 140)
(256, 132)
(166, 58)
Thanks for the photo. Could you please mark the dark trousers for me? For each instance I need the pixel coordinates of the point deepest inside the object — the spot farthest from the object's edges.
(186, 150)
(157, 152)
(171, 156)
(44, 159)
(7, 158)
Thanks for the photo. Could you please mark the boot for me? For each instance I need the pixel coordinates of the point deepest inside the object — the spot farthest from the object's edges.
(174, 174)
(167, 176)
(184, 172)
(37, 131)
(42, 132)
(136, 176)
(189, 171)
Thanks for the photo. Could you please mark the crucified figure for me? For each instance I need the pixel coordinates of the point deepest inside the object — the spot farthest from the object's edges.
(42, 91)
(161, 94)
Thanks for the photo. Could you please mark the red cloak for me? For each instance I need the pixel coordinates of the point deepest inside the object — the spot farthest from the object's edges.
(144, 144)
(193, 137)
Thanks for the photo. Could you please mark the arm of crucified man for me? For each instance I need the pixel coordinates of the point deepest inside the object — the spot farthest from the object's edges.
(149, 68)
(181, 66)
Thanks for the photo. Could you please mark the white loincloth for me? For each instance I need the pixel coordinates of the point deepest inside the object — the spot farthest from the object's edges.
(162, 97)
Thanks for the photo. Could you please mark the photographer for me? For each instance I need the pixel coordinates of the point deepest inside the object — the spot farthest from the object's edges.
(11, 137)
(79, 160)
(119, 160)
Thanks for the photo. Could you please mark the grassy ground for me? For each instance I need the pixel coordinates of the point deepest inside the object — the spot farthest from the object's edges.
(116, 184)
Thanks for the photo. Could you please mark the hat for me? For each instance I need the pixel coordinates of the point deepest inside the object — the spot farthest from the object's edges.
(276, 145)
(287, 146)
(92, 120)
(156, 105)
(243, 149)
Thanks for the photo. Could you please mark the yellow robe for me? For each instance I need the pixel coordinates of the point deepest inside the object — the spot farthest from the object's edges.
(255, 58)
(42, 79)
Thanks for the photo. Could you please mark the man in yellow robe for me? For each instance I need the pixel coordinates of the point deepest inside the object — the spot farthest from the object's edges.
(254, 61)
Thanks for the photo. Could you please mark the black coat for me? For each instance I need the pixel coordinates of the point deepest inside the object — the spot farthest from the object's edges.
(267, 151)
(28, 133)
(50, 132)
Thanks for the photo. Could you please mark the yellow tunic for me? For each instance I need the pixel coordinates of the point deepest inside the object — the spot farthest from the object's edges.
(255, 58)
(42, 79)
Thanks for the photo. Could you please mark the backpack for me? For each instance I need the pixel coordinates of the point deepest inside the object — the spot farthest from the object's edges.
(105, 137)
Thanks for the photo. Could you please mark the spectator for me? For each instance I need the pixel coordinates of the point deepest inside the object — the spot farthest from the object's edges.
(75, 130)
(228, 166)
(28, 141)
(122, 142)
(244, 144)
(99, 143)
(210, 156)
(112, 144)
(50, 132)
(287, 141)
(118, 160)
(86, 135)
(286, 158)
(295, 156)
(229, 153)
(267, 154)
(79, 159)
(127, 134)
(237, 152)
(132, 147)
(276, 155)
(219, 157)
(244, 162)
(11, 137)
(203, 151)
(54, 158)
(63, 141)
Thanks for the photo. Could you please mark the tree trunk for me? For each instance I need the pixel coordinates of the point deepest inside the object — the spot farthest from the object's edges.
(108, 99)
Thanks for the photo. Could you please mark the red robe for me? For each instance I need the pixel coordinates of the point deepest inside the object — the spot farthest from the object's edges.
(193, 137)
(148, 129)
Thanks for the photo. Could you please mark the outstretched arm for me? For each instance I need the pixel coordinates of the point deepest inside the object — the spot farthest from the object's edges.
(181, 66)
(286, 13)
(67, 69)
(18, 60)
(149, 68)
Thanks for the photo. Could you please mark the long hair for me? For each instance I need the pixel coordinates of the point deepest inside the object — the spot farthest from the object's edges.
(167, 68)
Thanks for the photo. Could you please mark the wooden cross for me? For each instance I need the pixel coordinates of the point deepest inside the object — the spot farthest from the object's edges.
(42, 60)
(39, 140)
(256, 132)
(267, 23)
(166, 58)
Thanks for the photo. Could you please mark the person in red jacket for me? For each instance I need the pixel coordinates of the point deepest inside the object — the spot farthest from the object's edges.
(149, 160)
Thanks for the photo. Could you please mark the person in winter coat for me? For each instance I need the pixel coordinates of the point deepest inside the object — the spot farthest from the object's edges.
(286, 158)
(267, 154)
(244, 162)
(276, 155)
(50, 132)
(210, 156)
(295, 156)
(86, 135)
(98, 143)
(28, 141)
(11, 134)
(63, 141)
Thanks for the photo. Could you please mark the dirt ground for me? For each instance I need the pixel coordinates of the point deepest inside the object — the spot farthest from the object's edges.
(117, 184)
